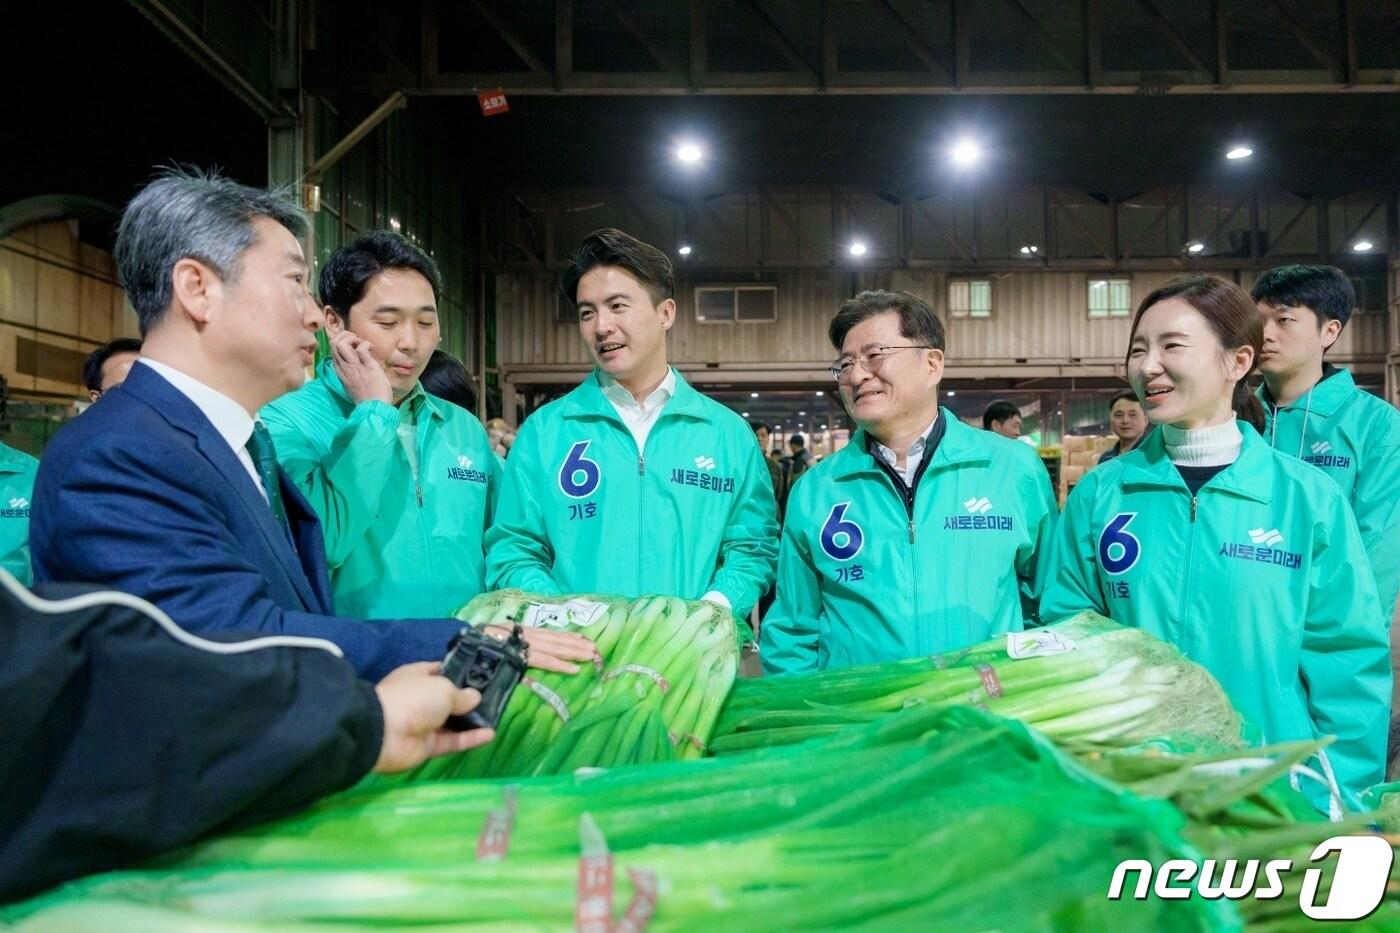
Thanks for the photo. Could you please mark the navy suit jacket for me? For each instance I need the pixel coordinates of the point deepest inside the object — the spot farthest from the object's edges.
(141, 494)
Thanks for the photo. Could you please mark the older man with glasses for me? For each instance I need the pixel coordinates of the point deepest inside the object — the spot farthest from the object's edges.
(922, 534)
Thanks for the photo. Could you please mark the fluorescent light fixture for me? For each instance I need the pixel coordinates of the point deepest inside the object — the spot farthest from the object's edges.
(1236, 153)
(965, 152)
(688, 152)
(684, 250)
(857, 248)
(802, 413)
(743, 414)
(1030, 249)
(952, 392)
(820, 392)
(1195, 246)
(753, 395)
(1362, 246)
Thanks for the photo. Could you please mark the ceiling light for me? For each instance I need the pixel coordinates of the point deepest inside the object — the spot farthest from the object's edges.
(952, 392)
(1195, 246)
(753, 395)
(1030, 249)
(689, 152)
(857, 248)
(684, 250)
(820, 392)
(965, 152)
(1239, 152)
(1362, 246)
(823, 427)
(802, 413)
(743, 414)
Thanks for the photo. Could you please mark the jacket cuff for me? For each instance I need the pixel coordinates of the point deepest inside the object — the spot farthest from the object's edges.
(368, 733)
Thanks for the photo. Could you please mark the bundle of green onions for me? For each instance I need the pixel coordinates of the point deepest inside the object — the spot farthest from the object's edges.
(667, 665)
(1086, 678)
(928, 819)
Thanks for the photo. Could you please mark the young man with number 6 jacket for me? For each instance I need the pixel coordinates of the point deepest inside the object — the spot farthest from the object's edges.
(634, 482)
(921, 534)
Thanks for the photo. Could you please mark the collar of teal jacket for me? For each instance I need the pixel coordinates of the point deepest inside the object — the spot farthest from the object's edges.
(15, 461)
(416, 400)
(960, 446)
(1249, 477)
(589, 402)
(1323, 399)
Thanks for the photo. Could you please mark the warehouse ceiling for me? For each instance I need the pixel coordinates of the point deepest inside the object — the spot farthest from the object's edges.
(1109, 96)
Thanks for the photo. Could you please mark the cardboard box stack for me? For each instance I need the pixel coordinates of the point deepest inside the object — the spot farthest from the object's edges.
(1080, 455)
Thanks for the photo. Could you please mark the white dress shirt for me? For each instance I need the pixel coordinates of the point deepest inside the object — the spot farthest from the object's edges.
(911, 459)
(639, 416)
(230, 419)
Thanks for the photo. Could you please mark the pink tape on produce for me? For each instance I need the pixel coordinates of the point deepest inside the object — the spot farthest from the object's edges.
(654, 676)
(494, 841)
(643, 904)
(554, 700)
(990, 682)
(594, 904)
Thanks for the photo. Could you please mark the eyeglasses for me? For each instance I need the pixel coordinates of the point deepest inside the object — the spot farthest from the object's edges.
(843, 369)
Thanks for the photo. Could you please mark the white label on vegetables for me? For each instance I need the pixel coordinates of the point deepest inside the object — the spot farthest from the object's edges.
(1037, 644)
(577, 612)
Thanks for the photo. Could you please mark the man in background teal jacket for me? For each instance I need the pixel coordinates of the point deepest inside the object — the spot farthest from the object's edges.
(1317, 413)
(921, 534)
(633, 482)
(404, 483)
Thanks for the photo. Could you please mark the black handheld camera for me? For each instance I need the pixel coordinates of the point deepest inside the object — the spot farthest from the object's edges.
(491, 666)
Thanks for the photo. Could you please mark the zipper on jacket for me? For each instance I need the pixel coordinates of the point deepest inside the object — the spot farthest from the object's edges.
(1190, 560)
(641, 464)
(1194, 500)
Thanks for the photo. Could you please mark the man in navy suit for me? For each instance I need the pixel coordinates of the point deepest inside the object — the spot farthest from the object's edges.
(169, 489)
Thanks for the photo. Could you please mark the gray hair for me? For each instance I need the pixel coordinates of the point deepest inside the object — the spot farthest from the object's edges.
(189, 214)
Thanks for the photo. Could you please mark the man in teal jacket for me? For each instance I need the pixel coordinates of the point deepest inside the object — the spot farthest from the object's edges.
(633, 482)
(16, 489)
(404, 483)
(1316, 412)
(1264, 557)
(921, 534)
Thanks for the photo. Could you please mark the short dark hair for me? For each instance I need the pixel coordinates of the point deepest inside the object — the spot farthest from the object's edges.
(1125, 396)
(348, 271)
(760, 426)
(92, 366)
(612, 247)
(447, 377)
(1000, 410)
(797, 440)
(1325, 290)
(917, 321)
(188, 214)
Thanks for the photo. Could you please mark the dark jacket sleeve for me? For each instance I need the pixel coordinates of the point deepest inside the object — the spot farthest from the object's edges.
(119, 742)
(142, 520)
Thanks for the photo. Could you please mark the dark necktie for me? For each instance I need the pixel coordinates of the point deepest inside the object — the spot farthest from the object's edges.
(265, 459)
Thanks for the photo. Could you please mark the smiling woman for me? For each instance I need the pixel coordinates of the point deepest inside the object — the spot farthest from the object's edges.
(1202, 518)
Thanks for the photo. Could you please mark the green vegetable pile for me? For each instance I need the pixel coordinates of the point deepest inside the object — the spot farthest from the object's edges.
(667, 666)
(1084, 679)
(933, 818)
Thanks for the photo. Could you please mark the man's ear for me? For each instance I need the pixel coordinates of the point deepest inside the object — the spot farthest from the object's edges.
(1331, 332)
(667, 310)
(334, 323)
(196, 290)
(935, 364)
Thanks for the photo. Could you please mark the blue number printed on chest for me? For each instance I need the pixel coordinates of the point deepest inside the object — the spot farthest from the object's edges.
(1119, 548)
(579, 476)
(841, 537)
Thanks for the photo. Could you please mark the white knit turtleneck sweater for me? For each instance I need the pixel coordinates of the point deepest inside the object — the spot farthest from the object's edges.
(1218, 445)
